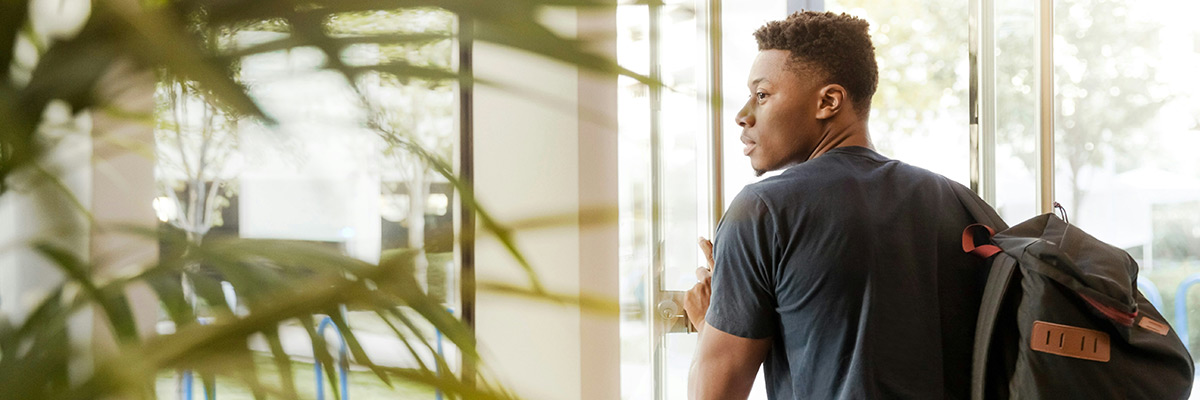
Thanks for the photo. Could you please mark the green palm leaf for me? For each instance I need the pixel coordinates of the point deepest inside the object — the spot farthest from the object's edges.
(279, 283)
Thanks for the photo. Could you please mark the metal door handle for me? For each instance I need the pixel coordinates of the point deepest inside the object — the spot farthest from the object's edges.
(671, 313)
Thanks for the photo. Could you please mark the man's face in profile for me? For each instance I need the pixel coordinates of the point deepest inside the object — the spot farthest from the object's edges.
(779, 127)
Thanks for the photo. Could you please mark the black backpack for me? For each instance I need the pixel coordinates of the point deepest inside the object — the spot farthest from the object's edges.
(1061, 317)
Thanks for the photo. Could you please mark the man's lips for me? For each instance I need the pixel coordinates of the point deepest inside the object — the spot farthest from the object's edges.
(749, 148)
(750, 145)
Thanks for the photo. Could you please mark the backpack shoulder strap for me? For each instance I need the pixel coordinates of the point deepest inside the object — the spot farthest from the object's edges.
(999, 277)
(998, 280)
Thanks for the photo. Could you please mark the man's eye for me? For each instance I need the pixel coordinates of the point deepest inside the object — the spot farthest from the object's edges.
(760, 95)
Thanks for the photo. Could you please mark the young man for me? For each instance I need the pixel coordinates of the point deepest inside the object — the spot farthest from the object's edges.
(843, 276)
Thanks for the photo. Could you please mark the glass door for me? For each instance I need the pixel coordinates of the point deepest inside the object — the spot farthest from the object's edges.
(670, 172)
(665, 189)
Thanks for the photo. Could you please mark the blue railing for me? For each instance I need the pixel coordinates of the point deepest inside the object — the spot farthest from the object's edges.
(343, 365)
(210, 391)
(187, 387)
(1181, 315)
(1151, 292)
(343, 362)
(437, 390)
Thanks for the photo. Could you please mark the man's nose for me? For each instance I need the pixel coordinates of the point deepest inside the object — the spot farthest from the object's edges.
(744, 118)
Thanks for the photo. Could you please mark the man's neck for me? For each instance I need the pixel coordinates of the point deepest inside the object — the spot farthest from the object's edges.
(853, 134)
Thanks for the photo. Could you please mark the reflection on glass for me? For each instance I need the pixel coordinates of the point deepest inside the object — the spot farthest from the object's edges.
(1127, 125)
(324, 175)
(919, 113)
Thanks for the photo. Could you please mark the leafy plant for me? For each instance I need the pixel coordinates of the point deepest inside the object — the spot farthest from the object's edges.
(290, 282)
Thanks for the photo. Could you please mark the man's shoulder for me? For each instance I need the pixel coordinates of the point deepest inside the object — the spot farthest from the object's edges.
(831, 178)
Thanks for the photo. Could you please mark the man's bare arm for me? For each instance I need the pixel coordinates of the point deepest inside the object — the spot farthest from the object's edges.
(725, 365)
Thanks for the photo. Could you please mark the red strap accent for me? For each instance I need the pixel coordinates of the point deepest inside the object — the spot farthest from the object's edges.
(968, 242)
(988, 250)
(1120, 317)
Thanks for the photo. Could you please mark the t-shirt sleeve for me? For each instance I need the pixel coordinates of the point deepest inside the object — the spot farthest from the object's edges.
(743, 292)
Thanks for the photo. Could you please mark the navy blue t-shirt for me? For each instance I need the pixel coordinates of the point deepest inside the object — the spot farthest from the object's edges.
(852, 263)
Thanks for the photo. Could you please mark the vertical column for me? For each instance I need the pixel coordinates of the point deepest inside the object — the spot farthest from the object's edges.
(599, 245)
(526, 147)
(465, 163)
(715, 105)
(1045, 41)
(654, 288)
(982, 98)
(123, 188)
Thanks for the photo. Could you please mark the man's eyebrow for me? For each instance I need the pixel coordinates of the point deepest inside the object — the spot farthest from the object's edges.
(756, 81)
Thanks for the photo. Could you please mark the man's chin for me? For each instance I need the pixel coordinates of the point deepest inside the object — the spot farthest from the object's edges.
(759, 169)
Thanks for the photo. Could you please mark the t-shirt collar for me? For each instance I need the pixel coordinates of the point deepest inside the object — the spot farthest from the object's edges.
(858, 150)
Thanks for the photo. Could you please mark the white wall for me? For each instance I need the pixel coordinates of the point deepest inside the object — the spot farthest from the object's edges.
(526, 165)
(535, 158)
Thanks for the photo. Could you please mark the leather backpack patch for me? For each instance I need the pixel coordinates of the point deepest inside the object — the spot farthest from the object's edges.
(1070, 341)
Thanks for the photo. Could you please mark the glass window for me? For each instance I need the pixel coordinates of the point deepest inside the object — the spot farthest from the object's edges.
(919, 112)
(330, 173)
(1126, 132)
(1016, 112)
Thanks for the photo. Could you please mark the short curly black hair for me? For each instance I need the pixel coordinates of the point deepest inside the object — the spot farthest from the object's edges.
(836, 46)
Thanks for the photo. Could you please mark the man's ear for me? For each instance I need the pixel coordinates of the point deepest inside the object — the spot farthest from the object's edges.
(832, 100)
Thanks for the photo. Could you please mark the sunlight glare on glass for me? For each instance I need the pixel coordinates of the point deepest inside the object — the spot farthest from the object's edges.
(164, 208)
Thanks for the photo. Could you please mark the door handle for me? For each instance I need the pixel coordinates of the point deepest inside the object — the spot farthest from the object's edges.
(671, 314)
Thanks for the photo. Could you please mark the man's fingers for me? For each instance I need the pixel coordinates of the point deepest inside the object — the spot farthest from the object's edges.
(706, 246)
(695, 302)
(699, 291)
(703, 273)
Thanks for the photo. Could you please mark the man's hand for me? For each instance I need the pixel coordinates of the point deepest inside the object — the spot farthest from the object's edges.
(695, 301)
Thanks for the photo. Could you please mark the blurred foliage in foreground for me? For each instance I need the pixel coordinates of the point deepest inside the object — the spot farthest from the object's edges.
(58, 54)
